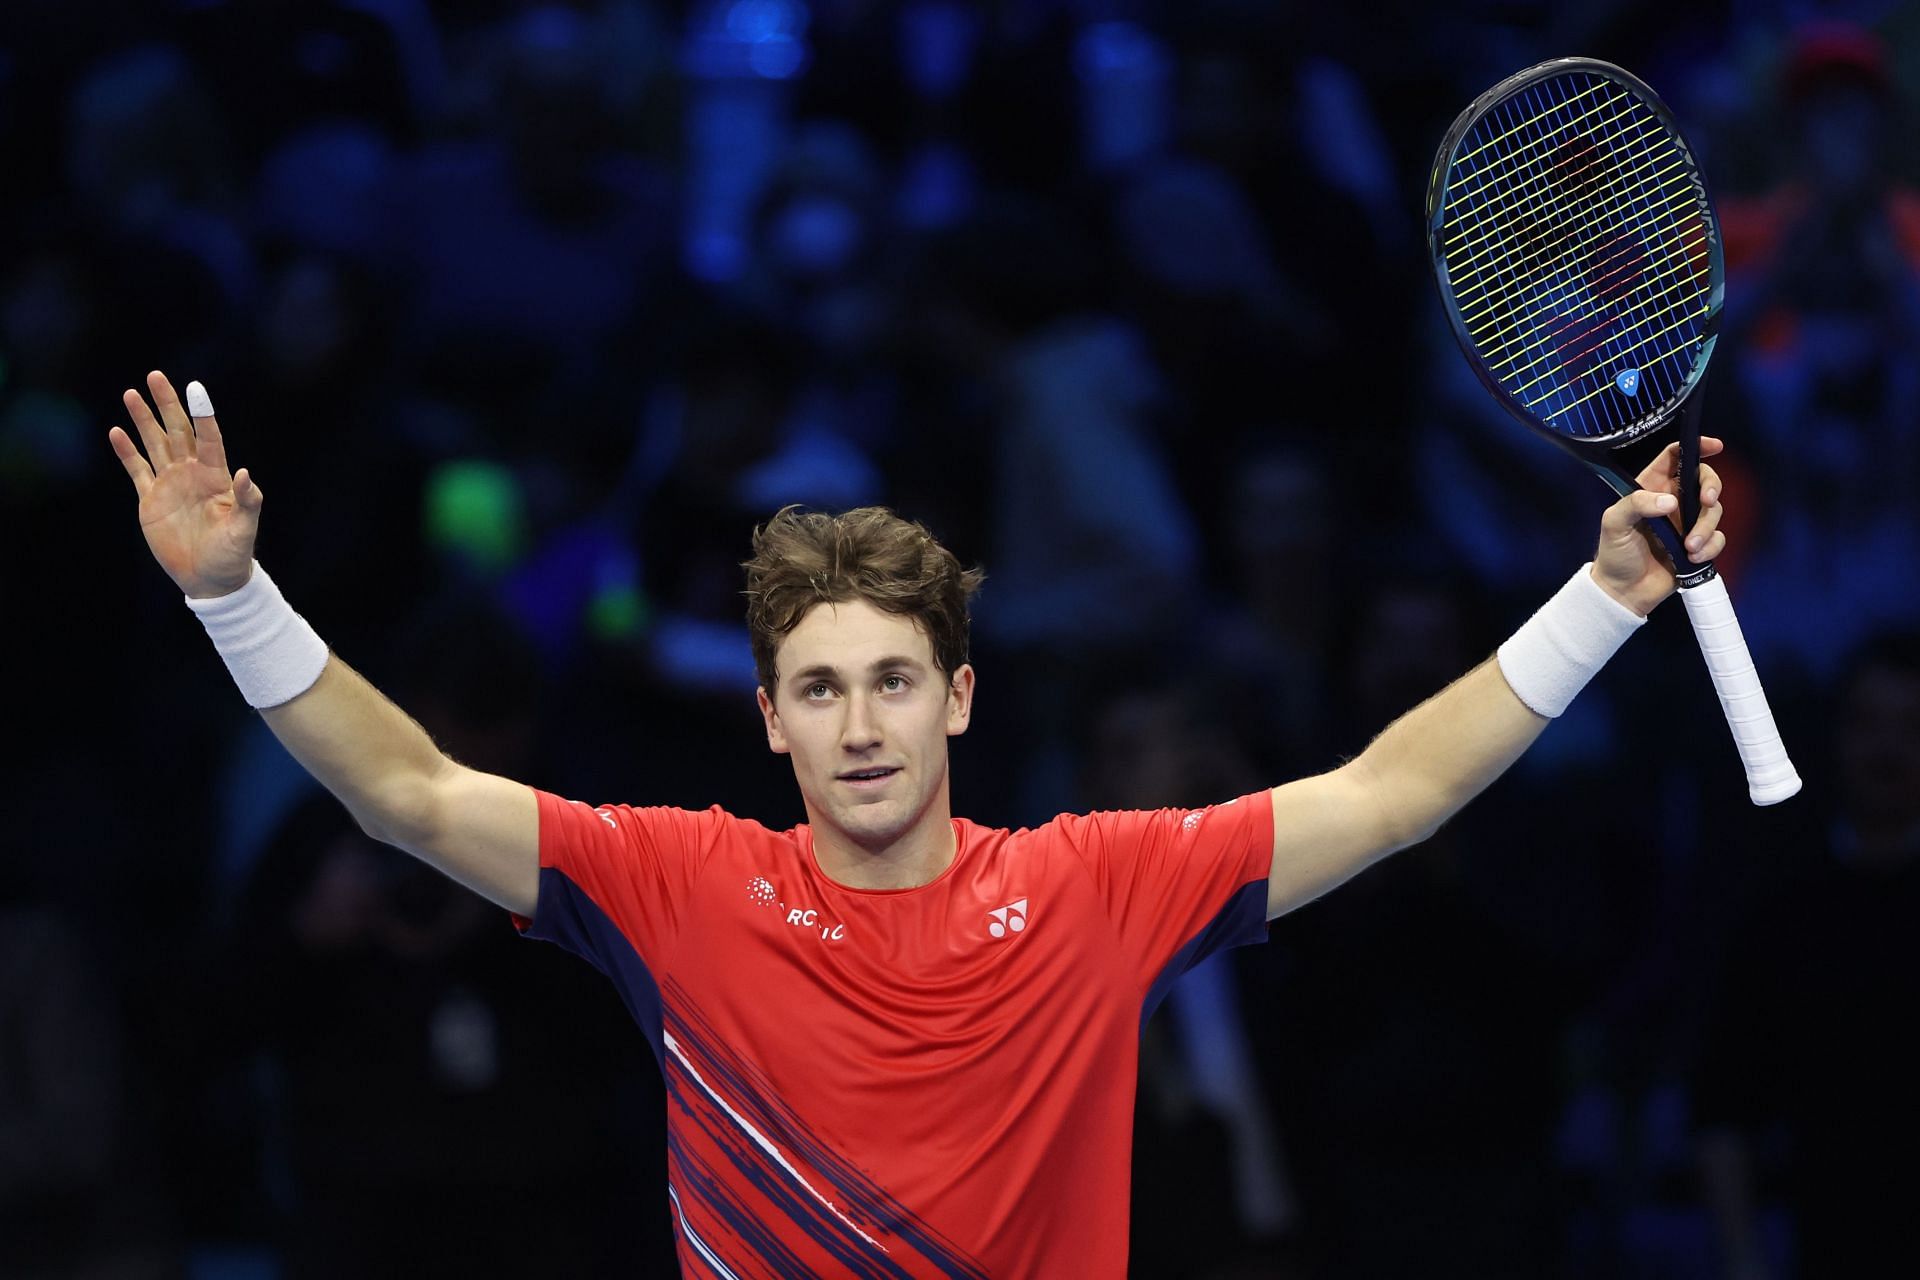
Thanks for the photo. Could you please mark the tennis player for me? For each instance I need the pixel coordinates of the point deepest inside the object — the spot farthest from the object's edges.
(895, 1042)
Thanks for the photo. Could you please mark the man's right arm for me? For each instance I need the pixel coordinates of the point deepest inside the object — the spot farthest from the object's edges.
(479, 828)
(200, 521)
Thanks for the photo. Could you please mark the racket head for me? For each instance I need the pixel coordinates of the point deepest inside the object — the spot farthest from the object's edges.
(1577, 254)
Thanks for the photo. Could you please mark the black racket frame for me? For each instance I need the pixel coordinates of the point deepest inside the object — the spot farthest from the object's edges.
(1619, 456)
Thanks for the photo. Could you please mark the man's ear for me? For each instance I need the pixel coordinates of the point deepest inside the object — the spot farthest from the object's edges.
(776, 735)
(960, 700)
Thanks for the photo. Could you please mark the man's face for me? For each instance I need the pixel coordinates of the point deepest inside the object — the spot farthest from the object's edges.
(865, 713)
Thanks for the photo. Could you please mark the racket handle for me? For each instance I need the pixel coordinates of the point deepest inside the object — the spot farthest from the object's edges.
(1770, 775)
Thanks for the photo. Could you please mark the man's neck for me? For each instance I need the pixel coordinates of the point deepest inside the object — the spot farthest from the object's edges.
(916, 857)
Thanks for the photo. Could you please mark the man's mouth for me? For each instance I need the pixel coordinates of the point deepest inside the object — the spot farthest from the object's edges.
(868, 777)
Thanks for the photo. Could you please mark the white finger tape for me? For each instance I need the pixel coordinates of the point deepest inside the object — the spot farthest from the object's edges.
(199, 403)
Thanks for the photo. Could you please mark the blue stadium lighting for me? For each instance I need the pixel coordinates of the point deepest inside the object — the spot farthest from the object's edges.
(755, 38)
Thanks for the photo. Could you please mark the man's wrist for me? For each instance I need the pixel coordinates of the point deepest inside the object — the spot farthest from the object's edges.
(272, 652)
(215, 592)
(1561, 647)
(1620, 595)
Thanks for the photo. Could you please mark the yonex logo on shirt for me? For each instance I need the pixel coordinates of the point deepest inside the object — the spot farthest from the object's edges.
(604, 813)
(1011, 918)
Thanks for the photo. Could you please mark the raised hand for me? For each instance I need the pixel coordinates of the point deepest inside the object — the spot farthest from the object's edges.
(1629, 564)
(199, 520)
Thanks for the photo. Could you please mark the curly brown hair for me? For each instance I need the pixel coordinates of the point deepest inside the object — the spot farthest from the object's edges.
(804, 558)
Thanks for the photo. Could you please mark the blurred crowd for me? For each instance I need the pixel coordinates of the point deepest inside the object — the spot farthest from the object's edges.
(523, 315)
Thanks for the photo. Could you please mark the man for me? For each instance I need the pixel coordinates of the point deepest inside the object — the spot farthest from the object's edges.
(895, 1043)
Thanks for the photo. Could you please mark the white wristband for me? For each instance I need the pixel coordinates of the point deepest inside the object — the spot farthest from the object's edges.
(1556, 651)
(274, 655)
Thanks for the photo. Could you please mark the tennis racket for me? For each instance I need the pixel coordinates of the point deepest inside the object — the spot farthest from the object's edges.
(1579, 261)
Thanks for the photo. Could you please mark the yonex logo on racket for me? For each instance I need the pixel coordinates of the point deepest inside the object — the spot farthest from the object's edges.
(1628, 381)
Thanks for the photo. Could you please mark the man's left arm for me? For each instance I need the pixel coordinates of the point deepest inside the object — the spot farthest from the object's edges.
(1427, 764)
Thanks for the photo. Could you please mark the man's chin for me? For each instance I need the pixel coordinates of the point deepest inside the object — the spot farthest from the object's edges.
(873, 828)
(873, 825)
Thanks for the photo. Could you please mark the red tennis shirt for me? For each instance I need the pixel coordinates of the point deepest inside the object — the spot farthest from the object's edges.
(935, 1081)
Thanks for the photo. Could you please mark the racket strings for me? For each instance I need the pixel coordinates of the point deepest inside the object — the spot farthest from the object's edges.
(1531, 258)
(1475, 199)
(1500, 183)
(1531, 269)
(1606, 271)
(1614, 263)
(1575, 247)
(1675, 273)
(1610, 272)
(1652, 305)
(1497, 139)
(1610, 261)
(1670, 276)
(1492, 228)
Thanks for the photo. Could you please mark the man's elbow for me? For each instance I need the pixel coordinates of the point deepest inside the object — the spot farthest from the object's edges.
(405, 814)
(1417, 818)
(1405, 812)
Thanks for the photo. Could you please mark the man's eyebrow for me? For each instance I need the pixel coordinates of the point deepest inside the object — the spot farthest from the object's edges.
(824, 671)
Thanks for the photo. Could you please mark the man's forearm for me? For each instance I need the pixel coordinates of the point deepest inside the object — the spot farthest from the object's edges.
(1427, 764)
(1444, 752)
(360, 746)
(1414, 776)
(363, 748)
(1431, 761)
(481, 829)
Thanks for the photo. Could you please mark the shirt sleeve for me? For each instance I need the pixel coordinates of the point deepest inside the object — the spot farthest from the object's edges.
(615, 880)
(1179, 884)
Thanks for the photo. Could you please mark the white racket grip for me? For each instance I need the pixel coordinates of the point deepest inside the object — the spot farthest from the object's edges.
(1770, 775)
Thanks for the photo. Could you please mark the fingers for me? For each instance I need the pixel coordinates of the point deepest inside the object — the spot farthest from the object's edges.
(1619, 520)
(179, 427)
(1710, 549)
(206, 429)
(1704, 541)
(1663, 473)
(246, 492)
(137, 468)
(179, 434)
(1709, 484)
(1709, 445)
(152, 434)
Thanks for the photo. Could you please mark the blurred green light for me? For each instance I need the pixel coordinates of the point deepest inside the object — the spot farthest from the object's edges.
(617, 613)
(475, 510)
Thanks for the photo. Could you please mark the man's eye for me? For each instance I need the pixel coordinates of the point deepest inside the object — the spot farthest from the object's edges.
(894, 684)
(818, 691)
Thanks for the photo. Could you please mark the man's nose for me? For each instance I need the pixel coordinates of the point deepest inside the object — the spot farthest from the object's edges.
(861, 729)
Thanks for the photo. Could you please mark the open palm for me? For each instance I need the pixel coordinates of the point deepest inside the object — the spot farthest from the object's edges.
(198, 519)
